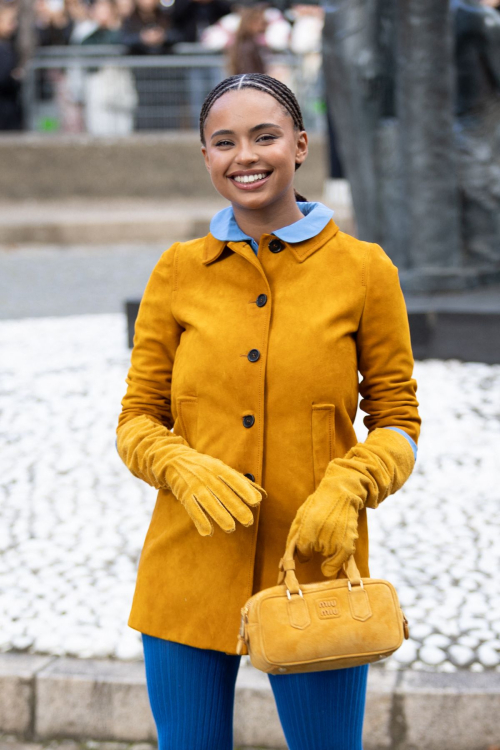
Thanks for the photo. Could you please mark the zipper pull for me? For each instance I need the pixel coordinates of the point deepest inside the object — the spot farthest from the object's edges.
(406, 628)
(241, 647)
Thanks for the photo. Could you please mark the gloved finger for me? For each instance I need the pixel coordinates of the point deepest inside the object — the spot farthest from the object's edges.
(329, 569)
(334, 525)
(201, 521)
(301, 557)
(304, 548)
(232, 502)
(214, 508)
(258, 488)
(331, 566)
(181, 487)
(243, 488)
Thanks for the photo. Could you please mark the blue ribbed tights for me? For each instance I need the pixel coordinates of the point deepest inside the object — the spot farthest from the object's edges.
(191, 692)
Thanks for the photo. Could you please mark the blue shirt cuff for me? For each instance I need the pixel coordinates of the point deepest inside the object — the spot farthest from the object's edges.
(410, 440)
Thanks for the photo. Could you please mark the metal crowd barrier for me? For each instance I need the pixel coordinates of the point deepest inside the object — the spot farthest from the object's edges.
(101, 90)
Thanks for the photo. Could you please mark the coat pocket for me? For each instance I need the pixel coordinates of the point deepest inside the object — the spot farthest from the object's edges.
(186, 423)
(323, 439)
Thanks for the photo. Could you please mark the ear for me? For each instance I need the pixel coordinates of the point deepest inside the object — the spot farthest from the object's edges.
(205, 156)
(301, 149)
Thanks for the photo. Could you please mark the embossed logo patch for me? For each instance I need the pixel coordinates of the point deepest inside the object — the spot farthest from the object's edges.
(328, 608)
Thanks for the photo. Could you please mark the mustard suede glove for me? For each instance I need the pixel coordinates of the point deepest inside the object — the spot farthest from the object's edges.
(327, 521)
(206, 486)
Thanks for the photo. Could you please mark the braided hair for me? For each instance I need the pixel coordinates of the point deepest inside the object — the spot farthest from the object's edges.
(261, 82)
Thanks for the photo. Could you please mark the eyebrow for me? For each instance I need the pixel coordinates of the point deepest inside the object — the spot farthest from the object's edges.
(252, 130)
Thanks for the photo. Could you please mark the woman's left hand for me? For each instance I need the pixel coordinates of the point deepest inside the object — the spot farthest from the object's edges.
(327, 522)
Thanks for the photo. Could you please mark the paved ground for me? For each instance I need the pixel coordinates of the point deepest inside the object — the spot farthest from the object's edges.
(10, 742)
(73, 519)
(60, 280)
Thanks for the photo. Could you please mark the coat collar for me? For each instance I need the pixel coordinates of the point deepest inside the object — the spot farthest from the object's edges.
(299, 250)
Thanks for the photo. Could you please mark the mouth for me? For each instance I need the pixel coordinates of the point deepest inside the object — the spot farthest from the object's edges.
(250, 180)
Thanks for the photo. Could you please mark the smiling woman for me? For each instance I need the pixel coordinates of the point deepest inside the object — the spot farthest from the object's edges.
(241, 398)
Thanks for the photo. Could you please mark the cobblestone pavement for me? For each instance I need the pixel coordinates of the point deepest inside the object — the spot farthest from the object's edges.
(73, 519)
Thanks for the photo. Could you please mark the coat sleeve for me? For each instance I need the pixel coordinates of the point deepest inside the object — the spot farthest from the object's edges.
(372, 470)
(145, 422)
(385, 358)
(382, 464)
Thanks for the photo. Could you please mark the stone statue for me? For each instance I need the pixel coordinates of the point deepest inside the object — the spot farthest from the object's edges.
(414, 89)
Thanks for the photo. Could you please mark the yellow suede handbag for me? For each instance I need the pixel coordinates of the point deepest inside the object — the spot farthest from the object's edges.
(337, 623)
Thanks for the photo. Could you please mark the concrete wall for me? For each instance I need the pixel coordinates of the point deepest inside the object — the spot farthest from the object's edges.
(148, 166)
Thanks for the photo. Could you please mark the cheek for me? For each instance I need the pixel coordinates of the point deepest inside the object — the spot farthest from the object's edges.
(218, 165)
(286, 160)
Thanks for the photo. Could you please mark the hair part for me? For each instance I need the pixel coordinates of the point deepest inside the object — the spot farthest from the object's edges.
(260, 82)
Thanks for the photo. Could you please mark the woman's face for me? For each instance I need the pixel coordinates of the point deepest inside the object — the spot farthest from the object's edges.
(252, 148)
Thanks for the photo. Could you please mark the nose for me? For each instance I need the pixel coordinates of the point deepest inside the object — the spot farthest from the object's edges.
(246, 153)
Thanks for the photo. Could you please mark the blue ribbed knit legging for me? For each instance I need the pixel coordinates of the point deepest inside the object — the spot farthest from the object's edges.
(191, 692)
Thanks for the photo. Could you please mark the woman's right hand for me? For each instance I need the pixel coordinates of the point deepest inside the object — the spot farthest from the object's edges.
(210, 490)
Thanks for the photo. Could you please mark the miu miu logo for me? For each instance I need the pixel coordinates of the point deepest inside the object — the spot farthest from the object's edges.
(329, 608)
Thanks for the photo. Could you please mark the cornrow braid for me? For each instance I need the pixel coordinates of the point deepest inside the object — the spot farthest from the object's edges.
(261, 82)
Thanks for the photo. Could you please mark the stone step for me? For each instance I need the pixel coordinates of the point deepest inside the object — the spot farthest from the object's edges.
(105, 221)
(114, 220)
(47, 697)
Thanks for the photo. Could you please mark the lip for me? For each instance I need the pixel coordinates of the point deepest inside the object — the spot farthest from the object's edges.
(249, 185)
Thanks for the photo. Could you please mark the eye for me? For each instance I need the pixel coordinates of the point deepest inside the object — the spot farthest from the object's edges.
(267, 137)
(224, 143)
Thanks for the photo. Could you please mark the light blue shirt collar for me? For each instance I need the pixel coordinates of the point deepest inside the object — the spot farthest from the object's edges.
(316, 216)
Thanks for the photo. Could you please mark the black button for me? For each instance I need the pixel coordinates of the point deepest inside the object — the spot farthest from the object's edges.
(261, 300)
(253, 355)
(250, 477)
(275, 246)
(248, 420)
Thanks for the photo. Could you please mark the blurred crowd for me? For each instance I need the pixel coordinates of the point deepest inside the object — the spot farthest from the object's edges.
(248, 35)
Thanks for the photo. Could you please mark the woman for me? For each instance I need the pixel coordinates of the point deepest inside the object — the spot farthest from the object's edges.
(248, 343)
(247, 53)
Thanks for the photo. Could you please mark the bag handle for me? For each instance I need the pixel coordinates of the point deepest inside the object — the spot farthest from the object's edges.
(287, 570)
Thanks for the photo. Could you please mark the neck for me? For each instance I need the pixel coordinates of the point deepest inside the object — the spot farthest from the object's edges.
(258, 221)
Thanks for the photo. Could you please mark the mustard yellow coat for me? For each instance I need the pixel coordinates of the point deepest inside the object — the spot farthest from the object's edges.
(334, 306)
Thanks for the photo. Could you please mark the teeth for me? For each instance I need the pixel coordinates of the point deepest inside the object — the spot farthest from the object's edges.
(249, 177)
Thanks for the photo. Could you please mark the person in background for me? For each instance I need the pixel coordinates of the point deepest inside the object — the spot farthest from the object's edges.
(61, 22)
(192, 17)
(247, 54)
(52, 23)
(10, 73)
(149, 29)
(124, 8)
(105, 14)
(80, 16)
(110, 94)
